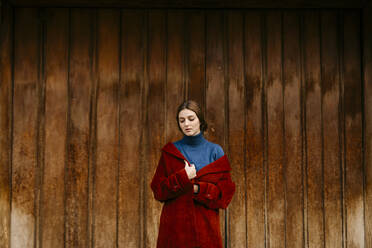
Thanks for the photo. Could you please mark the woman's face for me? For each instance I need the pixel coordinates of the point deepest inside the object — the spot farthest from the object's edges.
(189, 122)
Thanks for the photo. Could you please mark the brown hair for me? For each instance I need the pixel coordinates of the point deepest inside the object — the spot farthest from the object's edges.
(193, 106)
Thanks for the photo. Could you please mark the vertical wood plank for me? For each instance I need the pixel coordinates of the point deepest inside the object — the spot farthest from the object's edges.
(176, 73)
(215, 85)
(276, 181)
(130, 198)
(78, 141)
(105, 192)
(196, 56)
(315, 179)
(293, 130)
(156, 114)
(26, 83)
(255, 183)
(353, 130)
(56, 73)
(236, 133)
(367, 78)
(6, 92)
(330, 116)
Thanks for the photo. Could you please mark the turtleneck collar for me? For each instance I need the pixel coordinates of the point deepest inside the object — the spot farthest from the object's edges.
(194, 140)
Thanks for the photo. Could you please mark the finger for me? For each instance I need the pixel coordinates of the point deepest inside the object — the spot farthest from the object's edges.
(187, 164)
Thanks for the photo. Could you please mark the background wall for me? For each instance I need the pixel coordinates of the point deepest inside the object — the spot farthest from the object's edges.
(89, 96)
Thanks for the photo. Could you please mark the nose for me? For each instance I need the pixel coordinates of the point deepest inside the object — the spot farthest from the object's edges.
(187, 122)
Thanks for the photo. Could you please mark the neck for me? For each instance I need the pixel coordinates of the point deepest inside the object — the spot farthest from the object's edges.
(194, 140)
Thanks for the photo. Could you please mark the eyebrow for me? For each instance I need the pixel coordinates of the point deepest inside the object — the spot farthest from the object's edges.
(187, 116)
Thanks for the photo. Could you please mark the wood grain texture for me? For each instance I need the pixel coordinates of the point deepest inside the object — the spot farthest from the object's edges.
(293, 170)
(331, 135)
(195, 3)
(176, 71)
(25, 109)
(215, 91)
(274, 90)
(283, 95)
(196, 57)
(107, 153)
(314, 145)
(132, 165)
(78, 140)
(255, 170)
(6, 92)
(367, 83)
(353, 130)
(56, 74)
(236, 133)
(156, 114)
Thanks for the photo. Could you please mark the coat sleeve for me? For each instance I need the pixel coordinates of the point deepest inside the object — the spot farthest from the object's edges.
(217, 195)
(167, 187)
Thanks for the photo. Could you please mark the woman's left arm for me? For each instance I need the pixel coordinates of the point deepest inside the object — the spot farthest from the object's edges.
(216, 195)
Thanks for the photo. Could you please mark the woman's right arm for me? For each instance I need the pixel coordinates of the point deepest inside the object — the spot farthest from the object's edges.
(167, 187)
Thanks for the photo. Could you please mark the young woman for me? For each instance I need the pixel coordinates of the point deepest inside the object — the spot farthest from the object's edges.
(193, 181)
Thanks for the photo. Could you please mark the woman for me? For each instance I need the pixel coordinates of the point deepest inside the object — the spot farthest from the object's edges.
(193, 181)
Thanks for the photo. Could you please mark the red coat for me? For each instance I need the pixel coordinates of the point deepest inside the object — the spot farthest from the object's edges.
(191, 220)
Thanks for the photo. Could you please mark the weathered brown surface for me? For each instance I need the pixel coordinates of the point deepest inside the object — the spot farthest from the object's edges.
(276, 205)
(6, 81)
(313, 106)
(195, 38)
(293, 163)
(25, 108)
(78, 133)
(331, 135)
(254, 151)
(56, 76)
(215, 91)
(132, 165)
(282, 91)
(107, 153)
(367, 78)
(156, 111)
(196, 3)
(353, 131)
(236, 132)
(177, 74)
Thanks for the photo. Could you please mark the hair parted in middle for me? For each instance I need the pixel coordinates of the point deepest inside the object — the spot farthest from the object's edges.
(193, 106)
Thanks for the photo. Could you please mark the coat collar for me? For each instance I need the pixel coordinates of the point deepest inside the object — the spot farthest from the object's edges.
(220, 165)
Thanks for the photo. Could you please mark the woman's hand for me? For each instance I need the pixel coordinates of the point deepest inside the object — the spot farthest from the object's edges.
(190, 170)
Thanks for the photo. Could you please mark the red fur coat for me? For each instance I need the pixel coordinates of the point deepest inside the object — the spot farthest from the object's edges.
(191, 220)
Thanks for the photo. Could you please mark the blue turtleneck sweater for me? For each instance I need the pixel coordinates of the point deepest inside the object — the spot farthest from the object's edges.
(199, 151)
